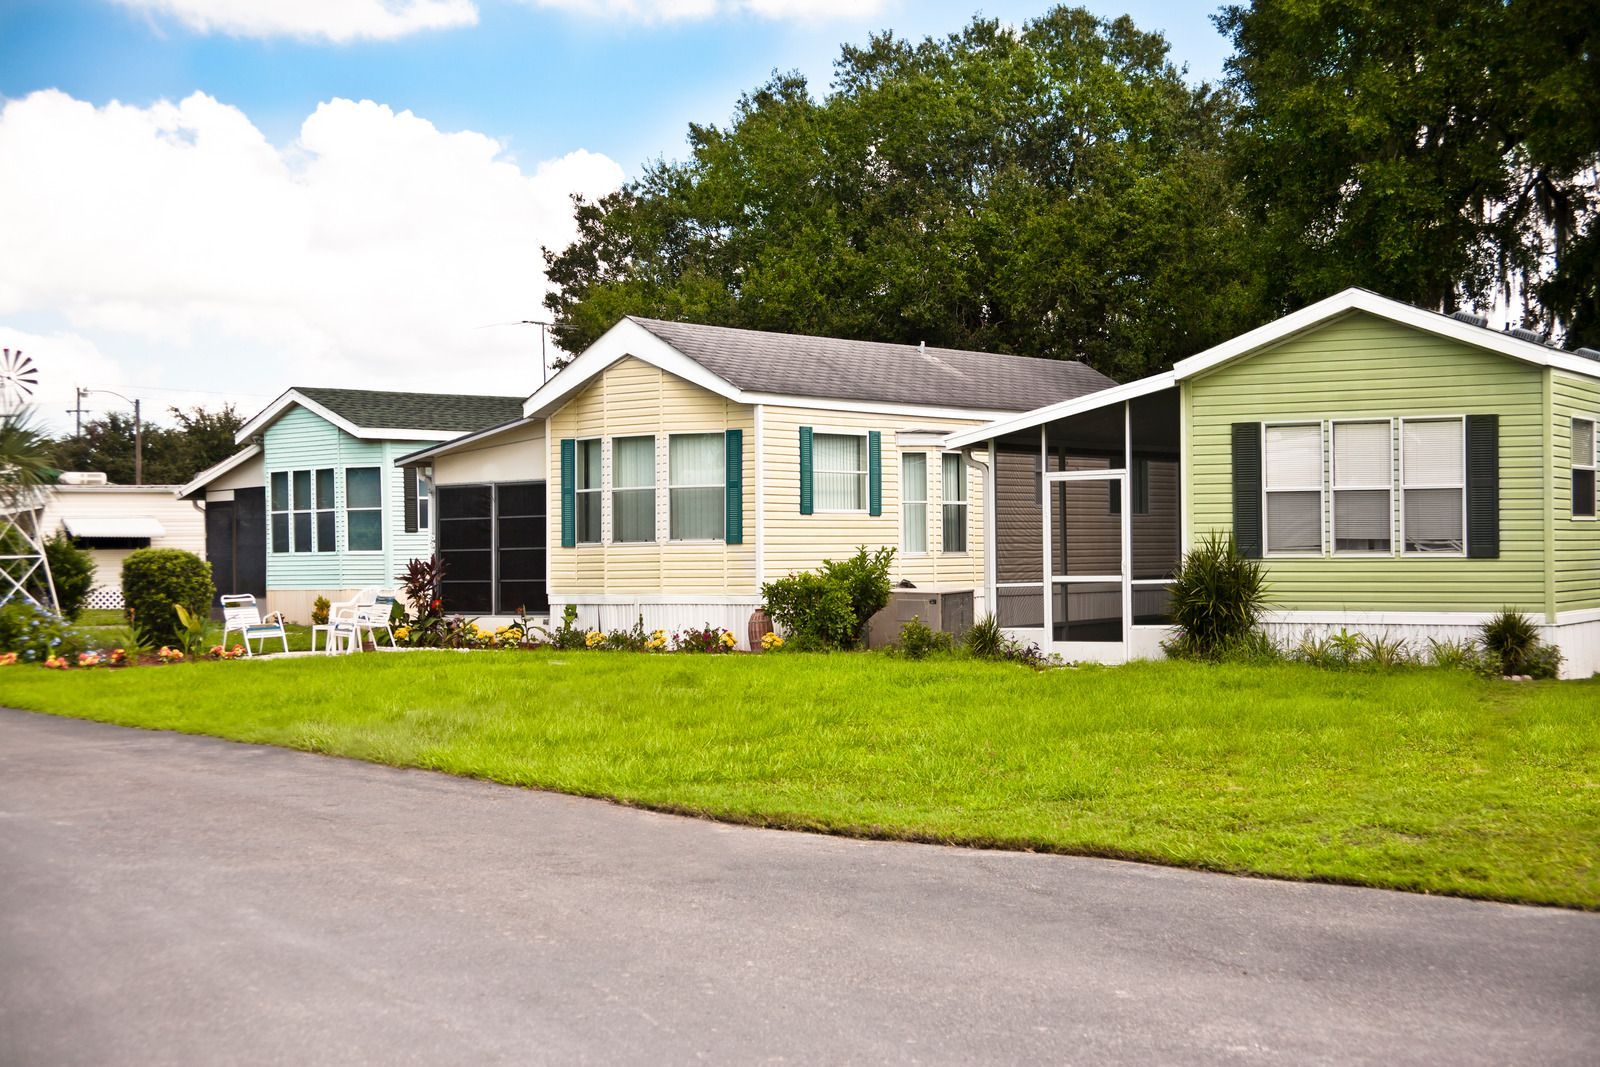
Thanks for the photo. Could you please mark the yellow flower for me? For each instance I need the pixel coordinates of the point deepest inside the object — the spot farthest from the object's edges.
(728, 640)
(771, 641)
(593, 638)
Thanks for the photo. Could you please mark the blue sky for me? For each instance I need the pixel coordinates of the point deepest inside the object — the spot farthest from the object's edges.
(265, 225)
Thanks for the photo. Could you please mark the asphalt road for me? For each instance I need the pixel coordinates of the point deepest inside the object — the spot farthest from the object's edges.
(178, 900)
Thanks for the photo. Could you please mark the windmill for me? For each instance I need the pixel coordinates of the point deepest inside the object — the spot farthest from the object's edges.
(22, 554)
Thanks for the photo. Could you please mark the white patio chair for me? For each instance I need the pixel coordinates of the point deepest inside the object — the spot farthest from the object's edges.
(341, 611)
(370, 618)
(240, 615)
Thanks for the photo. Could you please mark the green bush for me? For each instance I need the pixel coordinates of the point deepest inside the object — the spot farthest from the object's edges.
(34, 634)
(72, 573)
(985, 639)
(812, 610)
(865, 579)
(156, 579)
(1512, 641)
(918, 640)
(1217, 598)
(322, 605)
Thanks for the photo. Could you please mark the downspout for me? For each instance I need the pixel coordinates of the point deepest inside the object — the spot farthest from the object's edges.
(990, 591)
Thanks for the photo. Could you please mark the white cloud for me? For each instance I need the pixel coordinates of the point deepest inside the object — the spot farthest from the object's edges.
(679, 10)
(334, 20)
(177, 239)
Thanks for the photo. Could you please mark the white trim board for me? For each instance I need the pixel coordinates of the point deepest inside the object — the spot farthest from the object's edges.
(217, 470)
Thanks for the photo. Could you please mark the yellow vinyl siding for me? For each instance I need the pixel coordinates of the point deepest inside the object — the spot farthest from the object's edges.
(1360, 366)
(796, 542)
(1577, 541)
(636, 398)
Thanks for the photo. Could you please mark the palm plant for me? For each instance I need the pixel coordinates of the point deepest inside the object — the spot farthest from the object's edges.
(1218, 596)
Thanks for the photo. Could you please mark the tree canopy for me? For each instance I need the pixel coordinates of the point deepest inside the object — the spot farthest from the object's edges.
(1059, 189)
(172, 454)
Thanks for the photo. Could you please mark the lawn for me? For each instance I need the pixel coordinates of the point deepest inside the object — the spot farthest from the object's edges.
(1419, 780)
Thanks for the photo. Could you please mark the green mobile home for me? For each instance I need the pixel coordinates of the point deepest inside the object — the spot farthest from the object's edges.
(1398, 472)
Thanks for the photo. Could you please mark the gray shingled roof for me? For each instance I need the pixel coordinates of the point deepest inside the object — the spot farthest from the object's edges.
(795, 365)
(370, 409)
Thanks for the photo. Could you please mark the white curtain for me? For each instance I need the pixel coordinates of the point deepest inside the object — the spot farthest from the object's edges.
(914, 500)
(633, 483)
(953, 486)
(696, 472)
(839, 472)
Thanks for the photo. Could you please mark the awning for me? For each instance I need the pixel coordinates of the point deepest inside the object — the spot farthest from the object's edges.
(95, 527)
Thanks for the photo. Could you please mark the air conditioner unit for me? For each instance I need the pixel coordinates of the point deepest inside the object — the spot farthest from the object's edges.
(83, 478)
(950, 611)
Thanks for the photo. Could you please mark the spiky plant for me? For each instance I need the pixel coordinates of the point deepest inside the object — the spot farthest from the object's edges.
(1218, 596)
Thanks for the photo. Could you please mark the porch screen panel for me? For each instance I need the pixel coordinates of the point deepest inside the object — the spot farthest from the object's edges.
(1019, 536)
(1085, 538)
(521, 532)
(466, 547)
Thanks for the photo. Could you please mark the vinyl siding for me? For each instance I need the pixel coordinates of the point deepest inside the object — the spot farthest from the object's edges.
(302, 440)
(796, 542)
(513, 456)
(1360, 366)
(634, 398)
(1577, 541)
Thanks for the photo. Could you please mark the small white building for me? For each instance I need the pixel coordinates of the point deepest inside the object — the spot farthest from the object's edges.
(113, 521)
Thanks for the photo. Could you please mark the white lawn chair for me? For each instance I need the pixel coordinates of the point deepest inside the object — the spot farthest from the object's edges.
(340, 614)
(370, 618)
(240, 615)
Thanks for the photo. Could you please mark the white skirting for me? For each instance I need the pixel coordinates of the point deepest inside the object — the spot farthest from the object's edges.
(616, 613)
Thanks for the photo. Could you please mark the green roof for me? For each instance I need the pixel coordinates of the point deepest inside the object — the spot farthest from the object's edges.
(371, 409)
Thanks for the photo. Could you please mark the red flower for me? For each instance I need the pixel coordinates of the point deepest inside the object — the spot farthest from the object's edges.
(436, 604)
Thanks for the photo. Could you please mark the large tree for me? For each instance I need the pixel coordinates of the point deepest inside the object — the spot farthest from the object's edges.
(1443, 154)
(1053, 190)
(172, 455)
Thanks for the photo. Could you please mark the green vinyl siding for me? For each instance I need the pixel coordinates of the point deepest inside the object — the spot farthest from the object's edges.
(1577, 541)
(1359, 366)
(303, 440)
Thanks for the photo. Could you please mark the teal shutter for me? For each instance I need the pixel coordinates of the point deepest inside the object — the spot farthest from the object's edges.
(1247, 488)
(734, 439)
(1483, 486)
(569, 497)
(806, 495)
(874, 473)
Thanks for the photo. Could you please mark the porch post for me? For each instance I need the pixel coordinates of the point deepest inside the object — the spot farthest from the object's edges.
(1127, 530)
(1044, 516)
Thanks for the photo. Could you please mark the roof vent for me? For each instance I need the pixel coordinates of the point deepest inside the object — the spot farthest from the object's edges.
(1527, 335)
(1469, 317)
(1589, 353)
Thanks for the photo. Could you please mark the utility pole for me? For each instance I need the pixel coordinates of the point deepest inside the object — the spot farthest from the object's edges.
(77, 411)
(138, 430)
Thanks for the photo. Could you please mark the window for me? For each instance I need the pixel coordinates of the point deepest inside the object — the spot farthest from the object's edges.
(424, 500)
(953, 491)
(696, 486)
(839, 476)
(1363, 483)
(633, 489)
(587, 491)
(363, 509)
(914, 502)
(279, 507)
(1433, 486)
(1293, 489)
(1583, 466)
(327, 541)
(300, 483)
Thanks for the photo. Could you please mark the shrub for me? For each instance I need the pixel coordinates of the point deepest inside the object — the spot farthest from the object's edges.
(319, 611)
(1463, 655)
(72, 573)
(830, 608)
(155, 579)
(985, 640)
(566, 636)
(918, 639)
(1252, 647)
(1217, 597)
(1512, 641)
(36, 635)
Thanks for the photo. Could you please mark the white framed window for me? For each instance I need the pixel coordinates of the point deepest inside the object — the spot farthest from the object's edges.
(326, 516)
(914, 503)
(633, 490)
(696, 487)
(587, 490)
(839, 471)
(1292, 488)
(301, 506)
(363, 509)
(424, 500)
(953, 497)
(278, 507)
(1583, 468)
(1363, 487)
(1433, 486)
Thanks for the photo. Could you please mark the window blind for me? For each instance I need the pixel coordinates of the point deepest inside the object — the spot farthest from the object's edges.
(914, 501)
(1363, 472)
(840, 471)
(1294, 457)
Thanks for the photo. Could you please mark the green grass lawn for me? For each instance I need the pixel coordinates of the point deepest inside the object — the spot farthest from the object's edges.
(1420, 780)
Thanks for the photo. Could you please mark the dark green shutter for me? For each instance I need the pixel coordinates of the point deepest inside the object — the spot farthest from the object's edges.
(874, 473)
(734, 440)
(806, 496)
(409, 483)
(1247, 488)
(569, 495)
(1483, 486)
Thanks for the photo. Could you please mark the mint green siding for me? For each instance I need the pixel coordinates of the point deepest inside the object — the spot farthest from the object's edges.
(1577, 541)
(1360, 366)
(303, 440)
